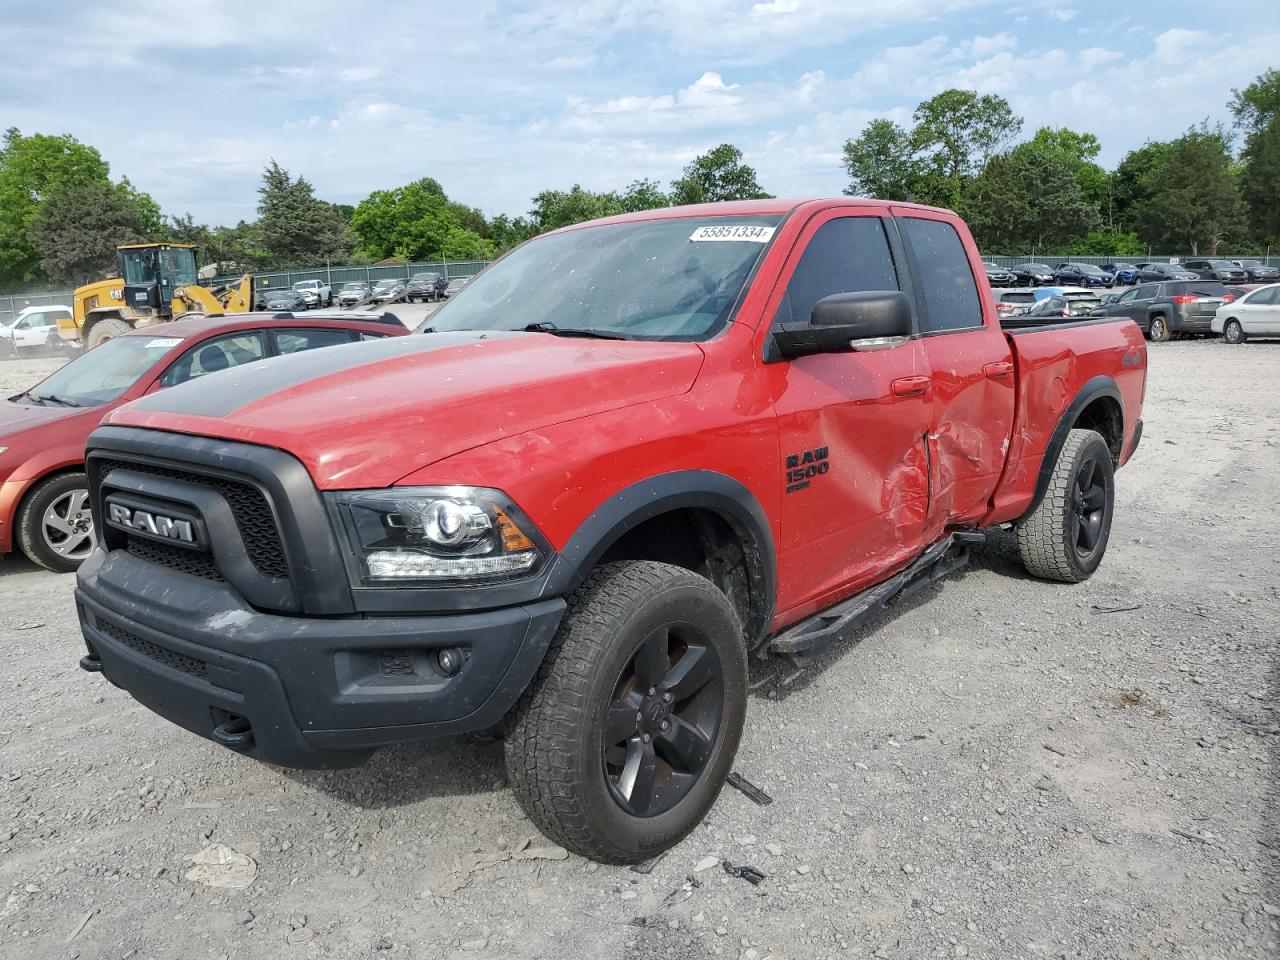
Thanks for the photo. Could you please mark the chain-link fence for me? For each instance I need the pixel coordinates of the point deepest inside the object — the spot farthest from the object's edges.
(1053, 259)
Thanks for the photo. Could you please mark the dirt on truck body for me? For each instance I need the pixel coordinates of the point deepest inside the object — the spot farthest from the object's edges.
(574, 505)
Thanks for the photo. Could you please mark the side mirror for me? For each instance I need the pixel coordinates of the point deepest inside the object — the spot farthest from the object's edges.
(868, 320)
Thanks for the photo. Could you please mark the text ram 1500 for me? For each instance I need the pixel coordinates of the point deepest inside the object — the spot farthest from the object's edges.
(575, 504)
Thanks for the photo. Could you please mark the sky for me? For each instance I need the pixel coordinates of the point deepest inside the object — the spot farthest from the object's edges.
(500, 100)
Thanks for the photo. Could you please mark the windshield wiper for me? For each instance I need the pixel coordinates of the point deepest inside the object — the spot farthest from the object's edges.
(546, 326)
(51, 398)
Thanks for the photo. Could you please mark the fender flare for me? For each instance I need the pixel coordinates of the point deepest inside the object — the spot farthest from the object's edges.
(1098, 387)
(664, 493)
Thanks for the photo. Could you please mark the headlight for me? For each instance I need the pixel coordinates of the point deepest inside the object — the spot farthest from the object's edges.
(429, 536)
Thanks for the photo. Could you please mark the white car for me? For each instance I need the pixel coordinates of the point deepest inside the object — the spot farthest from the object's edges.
(33, 328)
(317, 293)
(1256, 314)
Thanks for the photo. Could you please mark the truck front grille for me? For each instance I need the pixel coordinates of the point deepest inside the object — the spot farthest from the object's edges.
(152, 651)
(253, 515)
(193, 562)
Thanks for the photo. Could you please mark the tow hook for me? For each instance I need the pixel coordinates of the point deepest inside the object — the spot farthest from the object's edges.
(236, 734)
(90, 664)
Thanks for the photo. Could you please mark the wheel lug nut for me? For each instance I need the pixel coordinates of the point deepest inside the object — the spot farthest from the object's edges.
(665, 724)
(652, 691)
(667, 697)
(639, 717)
(645, 738)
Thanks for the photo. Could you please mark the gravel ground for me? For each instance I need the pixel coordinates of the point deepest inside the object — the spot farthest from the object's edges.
(1003, 768)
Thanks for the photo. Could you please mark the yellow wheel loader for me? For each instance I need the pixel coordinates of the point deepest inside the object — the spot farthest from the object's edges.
(157, 283)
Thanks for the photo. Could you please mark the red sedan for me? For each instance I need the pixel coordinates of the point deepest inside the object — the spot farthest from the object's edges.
(44, 508)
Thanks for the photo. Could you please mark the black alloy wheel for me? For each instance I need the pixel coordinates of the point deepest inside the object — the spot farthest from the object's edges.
(1088, 508)
(662, 720)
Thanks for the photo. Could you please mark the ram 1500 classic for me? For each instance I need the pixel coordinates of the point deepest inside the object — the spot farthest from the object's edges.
(574, 505)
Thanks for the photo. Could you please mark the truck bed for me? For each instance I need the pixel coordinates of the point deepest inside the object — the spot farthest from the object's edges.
(1056, 366)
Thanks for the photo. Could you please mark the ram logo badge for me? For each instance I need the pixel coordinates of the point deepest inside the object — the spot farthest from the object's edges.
(156, 524)
(803, 467)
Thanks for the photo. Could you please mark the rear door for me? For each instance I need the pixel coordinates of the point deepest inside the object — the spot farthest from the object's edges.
(1139, 308)
(851, 425)
(1260, 314)
(971, 371)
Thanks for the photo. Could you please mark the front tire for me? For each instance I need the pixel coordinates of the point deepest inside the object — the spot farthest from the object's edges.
(54, 527)
(622, 742)
(1233, 332)
(1065, 537)
(105, 329)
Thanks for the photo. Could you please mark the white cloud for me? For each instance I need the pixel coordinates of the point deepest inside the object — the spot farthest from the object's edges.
(1063, 15)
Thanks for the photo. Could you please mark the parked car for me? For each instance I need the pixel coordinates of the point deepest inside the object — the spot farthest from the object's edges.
(317, 293)
(1032, 274)
(405, 562)
(1159, 272)
(425, 286)
(1256, 314)
(997, 276)
(1082, 275)
(354, 292)
(1122, 272)
(1258, 271)
(1011, 302)
(1223, 270)
(44, 506)
(284, 299)
(455, 285)
(32, 329)
(1054, 310)
(386, 290)
(1162, 310)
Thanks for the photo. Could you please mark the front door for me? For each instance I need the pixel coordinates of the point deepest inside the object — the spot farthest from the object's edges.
(851, 425)
(972, 373)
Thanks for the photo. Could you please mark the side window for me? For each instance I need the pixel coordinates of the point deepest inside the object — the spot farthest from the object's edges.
(31, 321)
(951, 300)
(1264, 298)
(1128, 295)
(1147, 292)
(846, 255)
(294, 341)
(215, 355)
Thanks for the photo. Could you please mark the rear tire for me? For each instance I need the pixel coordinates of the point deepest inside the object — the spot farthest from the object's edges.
(1233, 332)
(1158, 330)
(622, 742)
(105, 329)
(53, 526)
(1065, 537)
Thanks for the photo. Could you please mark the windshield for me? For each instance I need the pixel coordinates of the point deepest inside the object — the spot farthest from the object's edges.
(670, 279)
(354, 286)
(306, 284)
(100, 375)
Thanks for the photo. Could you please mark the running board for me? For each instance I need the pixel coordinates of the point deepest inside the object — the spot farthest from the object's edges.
(811, 636)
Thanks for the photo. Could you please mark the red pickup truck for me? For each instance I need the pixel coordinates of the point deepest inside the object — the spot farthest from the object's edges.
(623, 459)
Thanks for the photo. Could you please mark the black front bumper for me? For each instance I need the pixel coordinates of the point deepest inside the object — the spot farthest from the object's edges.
(309, 691)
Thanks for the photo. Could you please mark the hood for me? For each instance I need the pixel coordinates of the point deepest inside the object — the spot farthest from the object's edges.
(368, 414)
(16, 418)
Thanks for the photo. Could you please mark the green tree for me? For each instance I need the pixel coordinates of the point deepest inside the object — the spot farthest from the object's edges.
(1260, 180)
(1025, 200)
(1256, 105)
(1079, 150)
(1106, 243)
(643, 195)
(506, 232)
(32, 168)
(1193, 198)
(882, 162)
(955, 133)
(1132, 179)
(553, 209)
(295, 227)
(77, 228)
(417, 222)
(719, 174)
